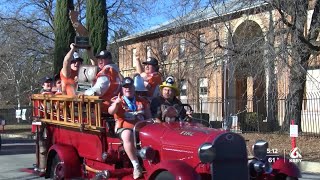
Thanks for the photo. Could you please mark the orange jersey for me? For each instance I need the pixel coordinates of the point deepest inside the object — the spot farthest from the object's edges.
(114, 88)
(125, 118)
(114, 78)
(153, 80)
(68, 84)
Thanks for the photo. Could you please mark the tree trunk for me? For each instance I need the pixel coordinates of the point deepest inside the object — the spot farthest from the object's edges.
(300, 55)
(294, 102)
(270, 57)
(297, 87)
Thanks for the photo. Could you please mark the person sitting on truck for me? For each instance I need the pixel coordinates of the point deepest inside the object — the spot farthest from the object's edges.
(70, 68)
(46, 86)
(152, 77)
(108, 80)
(47, 90)
(128, 109)
(168, 98)
(57, 89)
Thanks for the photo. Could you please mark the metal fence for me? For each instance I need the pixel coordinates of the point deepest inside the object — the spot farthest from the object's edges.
(254, 115)
(251, 115)
(12, 116)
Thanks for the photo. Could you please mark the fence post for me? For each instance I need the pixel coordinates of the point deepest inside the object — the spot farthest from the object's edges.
(258, 115)
(201, 106)
(3, 123)
(293, 139)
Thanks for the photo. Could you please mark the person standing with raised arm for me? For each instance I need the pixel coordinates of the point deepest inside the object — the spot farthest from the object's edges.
(70, 68)
(150, 74)
(69, 71)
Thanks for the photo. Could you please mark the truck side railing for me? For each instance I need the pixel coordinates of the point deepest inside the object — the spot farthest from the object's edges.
(82, 112)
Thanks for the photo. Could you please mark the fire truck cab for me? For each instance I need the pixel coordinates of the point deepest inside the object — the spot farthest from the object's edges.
(76, 140)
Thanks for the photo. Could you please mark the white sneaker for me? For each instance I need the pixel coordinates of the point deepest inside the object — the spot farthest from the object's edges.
(137, 172)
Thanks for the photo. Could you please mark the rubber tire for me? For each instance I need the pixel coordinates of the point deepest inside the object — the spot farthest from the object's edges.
(54, 166)
(165, 175)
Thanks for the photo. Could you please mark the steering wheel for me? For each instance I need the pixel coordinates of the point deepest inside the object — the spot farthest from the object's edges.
(189, 109)
(172, 113)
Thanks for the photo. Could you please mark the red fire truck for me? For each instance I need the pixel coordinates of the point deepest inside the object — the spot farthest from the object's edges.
(76, 140)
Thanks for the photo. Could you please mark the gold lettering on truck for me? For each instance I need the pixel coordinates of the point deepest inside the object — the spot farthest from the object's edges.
(187, 133)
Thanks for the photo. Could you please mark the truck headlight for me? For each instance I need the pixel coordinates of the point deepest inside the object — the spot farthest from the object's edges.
(261, 167)
(260, 149)
(147, 153)
(206, 153)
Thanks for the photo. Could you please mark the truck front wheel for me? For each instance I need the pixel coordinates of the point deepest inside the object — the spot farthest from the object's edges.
(57, 168)
(165, 175)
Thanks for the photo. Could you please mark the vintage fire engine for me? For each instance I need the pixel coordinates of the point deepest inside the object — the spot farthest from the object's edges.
(76, 140)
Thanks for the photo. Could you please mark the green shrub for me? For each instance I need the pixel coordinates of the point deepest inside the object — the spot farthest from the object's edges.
(251, 121)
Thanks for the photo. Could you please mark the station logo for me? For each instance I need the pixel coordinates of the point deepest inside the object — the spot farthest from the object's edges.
(295, 155)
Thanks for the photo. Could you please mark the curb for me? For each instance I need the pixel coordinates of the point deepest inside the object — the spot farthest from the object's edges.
(21, 136)
(309, 167)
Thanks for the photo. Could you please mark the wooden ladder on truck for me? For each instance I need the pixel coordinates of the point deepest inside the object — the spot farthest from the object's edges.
(78, 116)
(75, 112)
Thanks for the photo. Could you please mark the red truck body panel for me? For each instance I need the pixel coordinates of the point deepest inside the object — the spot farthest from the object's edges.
(87, 147)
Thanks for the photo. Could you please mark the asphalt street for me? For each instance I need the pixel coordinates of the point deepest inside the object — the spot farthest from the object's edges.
(18, 155)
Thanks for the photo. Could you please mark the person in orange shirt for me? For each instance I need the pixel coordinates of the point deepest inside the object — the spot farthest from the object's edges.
(150, 73)
(69, 71)
(108, 80)
(70, 68)
(128, 109)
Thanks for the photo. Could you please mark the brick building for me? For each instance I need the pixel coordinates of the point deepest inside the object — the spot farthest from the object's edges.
(219, 57)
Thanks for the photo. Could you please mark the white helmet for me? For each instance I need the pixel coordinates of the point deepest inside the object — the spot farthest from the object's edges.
(139, 83)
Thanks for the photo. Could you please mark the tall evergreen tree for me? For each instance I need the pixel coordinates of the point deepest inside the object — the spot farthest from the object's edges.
(63, 31)
(97, 24)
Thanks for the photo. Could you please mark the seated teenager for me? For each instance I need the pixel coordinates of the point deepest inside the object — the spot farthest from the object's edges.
(128, 109)
(47, 86)
(57, 87)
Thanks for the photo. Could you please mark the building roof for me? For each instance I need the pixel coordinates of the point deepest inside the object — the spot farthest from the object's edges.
(199, 15)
